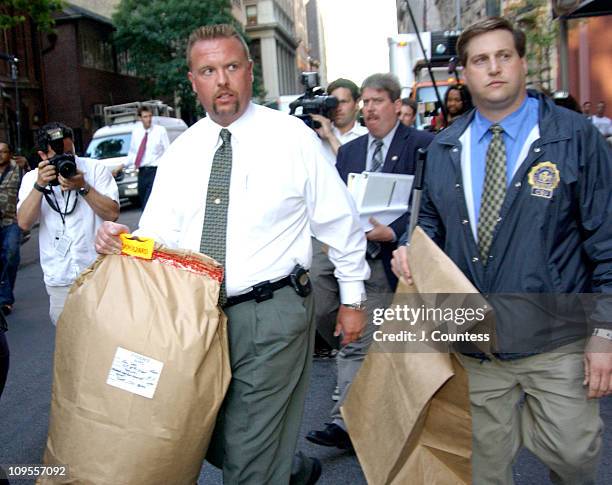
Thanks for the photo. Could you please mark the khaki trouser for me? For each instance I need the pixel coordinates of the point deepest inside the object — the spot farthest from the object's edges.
(556, 421)
(271, 345)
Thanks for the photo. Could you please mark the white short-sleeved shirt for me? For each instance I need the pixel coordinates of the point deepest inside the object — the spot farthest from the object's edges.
(80, 226)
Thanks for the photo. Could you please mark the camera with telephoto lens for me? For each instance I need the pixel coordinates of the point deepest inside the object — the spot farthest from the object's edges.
(313, 101)
(64, 162)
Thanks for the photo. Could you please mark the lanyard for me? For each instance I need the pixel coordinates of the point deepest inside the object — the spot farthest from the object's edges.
(55, 205)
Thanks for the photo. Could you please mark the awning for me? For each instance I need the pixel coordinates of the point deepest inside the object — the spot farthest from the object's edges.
(590, 8)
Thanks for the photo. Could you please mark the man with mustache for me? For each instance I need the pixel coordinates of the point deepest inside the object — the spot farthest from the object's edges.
(518, 194)
(389, 147)
(259, 185)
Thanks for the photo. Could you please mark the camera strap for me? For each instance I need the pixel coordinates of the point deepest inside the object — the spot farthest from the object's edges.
(54, 204)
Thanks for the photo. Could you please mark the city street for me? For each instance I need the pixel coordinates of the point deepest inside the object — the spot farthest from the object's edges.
(24, 408)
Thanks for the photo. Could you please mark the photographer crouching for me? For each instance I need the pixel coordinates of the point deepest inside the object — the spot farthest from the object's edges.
(70, 197)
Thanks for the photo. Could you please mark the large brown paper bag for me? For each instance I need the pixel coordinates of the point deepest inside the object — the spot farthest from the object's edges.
(151, 328)
(408, 413)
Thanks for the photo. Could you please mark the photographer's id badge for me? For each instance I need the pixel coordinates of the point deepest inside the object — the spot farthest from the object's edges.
(61, 243)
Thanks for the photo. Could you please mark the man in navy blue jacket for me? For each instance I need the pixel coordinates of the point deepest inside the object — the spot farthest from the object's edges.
(389, 147)
(519, 195)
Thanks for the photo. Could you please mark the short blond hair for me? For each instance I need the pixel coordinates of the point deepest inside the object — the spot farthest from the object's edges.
(215, 31)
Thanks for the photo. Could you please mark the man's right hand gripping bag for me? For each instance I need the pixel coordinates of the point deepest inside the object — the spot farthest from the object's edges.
(141, 368)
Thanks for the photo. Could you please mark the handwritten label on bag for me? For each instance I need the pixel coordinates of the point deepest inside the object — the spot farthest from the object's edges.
(134, 373)
(140, 247)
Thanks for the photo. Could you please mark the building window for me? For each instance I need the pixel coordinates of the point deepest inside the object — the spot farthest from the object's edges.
(251, 14)
(255, 48)
(123, 59)
(96, 51)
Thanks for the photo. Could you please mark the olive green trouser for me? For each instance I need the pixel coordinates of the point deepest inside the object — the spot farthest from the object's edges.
(271, 345)
(556, 422)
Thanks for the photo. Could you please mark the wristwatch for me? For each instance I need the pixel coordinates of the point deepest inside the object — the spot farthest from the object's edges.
(359, 306)
(83, 191)
(602, 332)
(40, 188)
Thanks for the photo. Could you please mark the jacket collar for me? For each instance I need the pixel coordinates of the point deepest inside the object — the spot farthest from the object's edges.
(398, 144)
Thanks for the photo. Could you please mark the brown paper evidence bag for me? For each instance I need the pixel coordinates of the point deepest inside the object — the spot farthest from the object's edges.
(141, 368)
(408, 413)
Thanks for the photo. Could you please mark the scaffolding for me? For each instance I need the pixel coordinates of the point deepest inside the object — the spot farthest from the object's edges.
(128, 112)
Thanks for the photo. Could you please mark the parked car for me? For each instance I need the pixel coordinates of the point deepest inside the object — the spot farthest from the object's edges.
(110, 144)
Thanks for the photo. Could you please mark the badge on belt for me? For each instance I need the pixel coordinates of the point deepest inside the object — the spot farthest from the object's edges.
(544, 179)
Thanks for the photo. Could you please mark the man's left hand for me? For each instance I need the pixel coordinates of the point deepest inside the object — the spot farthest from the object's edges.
(73, 183)
(380, 232)
(598, 367)
(350, 324)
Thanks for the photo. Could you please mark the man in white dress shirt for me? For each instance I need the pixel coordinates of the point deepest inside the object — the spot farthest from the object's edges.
(280, 190)
(148, 144)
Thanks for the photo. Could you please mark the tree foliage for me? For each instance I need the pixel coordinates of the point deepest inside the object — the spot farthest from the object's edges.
(15, 12)
(154, 33)
(534, 18)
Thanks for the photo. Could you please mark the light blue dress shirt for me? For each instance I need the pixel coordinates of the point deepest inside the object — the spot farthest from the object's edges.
(517, 127)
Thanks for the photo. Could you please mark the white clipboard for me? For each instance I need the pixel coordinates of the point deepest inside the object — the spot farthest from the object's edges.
(384, 196)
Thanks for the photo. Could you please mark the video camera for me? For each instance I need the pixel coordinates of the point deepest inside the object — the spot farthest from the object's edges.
(64, 162)
(313, 101)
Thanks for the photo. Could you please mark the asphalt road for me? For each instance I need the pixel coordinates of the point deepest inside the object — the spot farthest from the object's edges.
(24, 407)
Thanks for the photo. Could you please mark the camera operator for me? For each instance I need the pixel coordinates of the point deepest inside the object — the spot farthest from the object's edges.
(334, 133)
(71, 197)
(343, 126)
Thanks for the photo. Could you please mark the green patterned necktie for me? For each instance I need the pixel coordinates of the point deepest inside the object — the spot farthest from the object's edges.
(217, 200)
(493, 192)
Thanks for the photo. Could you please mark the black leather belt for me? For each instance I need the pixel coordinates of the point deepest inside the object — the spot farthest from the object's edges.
(261, 292)
(147, 167)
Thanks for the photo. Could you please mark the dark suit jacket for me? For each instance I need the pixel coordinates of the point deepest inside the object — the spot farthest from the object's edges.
(401, 158)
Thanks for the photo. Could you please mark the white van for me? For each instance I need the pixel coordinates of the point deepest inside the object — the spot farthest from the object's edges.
(110, 144)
